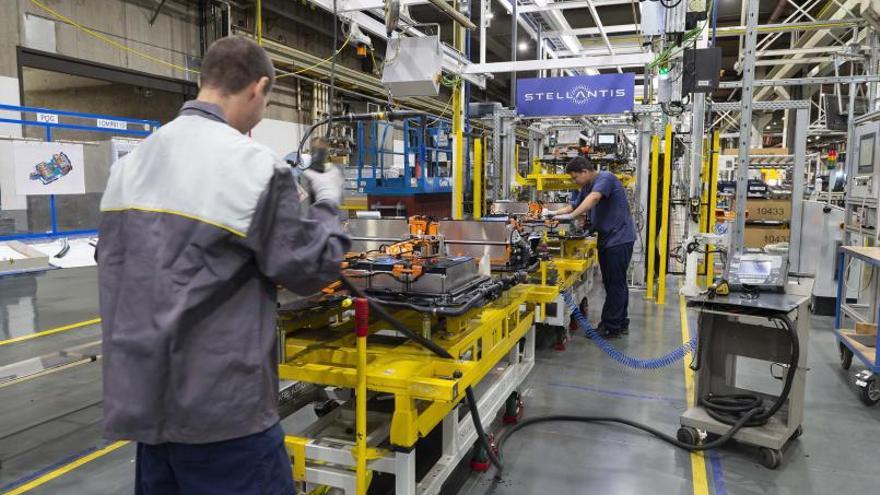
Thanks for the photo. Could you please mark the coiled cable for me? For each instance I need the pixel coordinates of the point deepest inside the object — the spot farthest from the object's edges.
(669, 359)
(739, 411)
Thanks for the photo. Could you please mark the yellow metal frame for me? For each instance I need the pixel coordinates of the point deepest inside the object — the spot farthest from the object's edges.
(425, 388)
(713, 205)
(664, 215)
(652, 216)
(478, 178)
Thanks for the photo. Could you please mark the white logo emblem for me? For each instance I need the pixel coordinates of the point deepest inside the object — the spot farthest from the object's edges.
(580, 94)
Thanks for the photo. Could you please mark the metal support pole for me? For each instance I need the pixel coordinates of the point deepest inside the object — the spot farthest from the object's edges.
(485, 8)
(745, 127)
(849, 165)
(802, 122)
(478, 178)
(640, 208)
(514, 45)
(458, 134)
(664, 216)
(651, 236)
(698, 126)
(258, 27)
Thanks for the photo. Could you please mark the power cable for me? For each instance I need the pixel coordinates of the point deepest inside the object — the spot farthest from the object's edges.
(739, 411)
(429, 344)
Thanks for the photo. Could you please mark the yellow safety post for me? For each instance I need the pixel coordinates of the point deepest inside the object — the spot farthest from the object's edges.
(362, 326)
(713, 204)
(652, 216)
(458, 133)
(478, 178)
(258, 29)
(664, 215)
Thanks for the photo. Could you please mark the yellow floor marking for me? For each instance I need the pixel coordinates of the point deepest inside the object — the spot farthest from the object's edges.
(51, 331)
(698, 462)
(55, 473)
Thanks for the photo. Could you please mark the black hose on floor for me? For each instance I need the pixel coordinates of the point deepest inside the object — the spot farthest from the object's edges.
(429, 344)
(739, 411)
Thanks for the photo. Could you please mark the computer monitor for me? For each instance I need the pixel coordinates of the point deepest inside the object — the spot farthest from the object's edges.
(607, 139)
(866, 154)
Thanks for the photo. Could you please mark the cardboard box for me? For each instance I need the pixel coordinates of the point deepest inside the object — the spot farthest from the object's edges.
(758, 151)
(763, 210)
(758, 236)
(866, 328)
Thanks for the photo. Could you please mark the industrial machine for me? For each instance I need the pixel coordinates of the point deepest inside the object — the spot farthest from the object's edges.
(568, 260)
(402, 429)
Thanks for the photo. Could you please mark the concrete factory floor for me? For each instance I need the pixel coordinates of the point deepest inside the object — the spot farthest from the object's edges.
(50, 439)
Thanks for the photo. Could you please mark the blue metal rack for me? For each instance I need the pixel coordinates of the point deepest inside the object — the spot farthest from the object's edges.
(50, 120)
(424, 153)
(851, 343)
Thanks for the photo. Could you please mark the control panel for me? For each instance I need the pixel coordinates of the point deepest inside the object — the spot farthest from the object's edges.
(758, 271)
(866, 172)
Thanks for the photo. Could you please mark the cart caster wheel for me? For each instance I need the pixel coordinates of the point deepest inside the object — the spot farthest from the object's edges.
(869, 388)
(797, 433)
(513, 409)
(770, 458)
(480, 461)
(561, 340)
(846, 356)
(688, 435)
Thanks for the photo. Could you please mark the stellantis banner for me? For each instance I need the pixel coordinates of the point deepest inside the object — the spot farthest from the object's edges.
(576, 95)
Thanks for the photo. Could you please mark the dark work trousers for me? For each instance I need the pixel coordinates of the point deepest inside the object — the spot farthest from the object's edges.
(253, 465)
(614, 262)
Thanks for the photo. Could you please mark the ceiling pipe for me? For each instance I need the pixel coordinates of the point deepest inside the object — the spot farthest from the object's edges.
(453, 14)
(777, 11)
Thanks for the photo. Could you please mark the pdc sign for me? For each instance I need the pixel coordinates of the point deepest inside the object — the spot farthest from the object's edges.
(578, 95)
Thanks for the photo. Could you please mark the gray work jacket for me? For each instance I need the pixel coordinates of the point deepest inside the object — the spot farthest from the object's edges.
(199, 225)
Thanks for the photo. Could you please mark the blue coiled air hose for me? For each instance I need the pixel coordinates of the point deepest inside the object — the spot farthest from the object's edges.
(673, 357)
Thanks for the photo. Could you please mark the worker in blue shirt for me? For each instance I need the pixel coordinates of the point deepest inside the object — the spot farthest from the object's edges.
(604, 198)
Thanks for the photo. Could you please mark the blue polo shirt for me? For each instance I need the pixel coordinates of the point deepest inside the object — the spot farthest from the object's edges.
(611, 216)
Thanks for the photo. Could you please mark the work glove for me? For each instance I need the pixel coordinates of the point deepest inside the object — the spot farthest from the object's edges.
(324, 186)
(562, 218)
(546, 213)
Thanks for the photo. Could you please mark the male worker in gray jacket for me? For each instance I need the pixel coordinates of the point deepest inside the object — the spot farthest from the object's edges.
(199, 226)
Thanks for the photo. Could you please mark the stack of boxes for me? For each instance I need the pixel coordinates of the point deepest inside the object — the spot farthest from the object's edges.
(767, 221)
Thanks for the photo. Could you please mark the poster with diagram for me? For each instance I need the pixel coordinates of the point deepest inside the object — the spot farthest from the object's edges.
(48, 168)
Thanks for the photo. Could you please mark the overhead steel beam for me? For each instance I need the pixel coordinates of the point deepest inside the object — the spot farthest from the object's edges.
(593, 31)
(360, 5)
(728, 31)
(775, 62)
(601, 28)
(571, 5)
(803, 81)
(453, 61)
(608, 61)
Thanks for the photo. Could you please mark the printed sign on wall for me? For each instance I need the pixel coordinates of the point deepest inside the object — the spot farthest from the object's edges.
(576, 95)
(48, 168)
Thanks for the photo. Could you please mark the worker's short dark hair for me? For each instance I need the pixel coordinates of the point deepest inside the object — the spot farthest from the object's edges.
(579, 164)
(232, 63)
